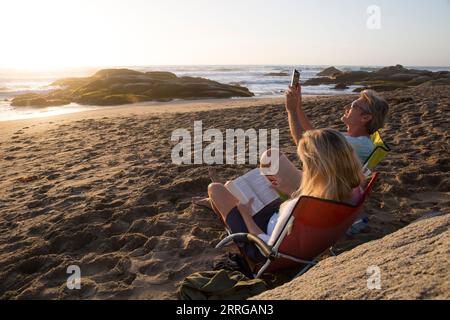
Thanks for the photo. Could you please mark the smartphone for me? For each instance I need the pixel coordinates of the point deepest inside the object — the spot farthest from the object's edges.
(295, 78)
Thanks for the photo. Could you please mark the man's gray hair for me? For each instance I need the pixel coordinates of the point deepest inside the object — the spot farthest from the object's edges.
(378, 107)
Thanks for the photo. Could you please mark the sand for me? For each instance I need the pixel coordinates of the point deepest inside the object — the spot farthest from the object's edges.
(97, 189)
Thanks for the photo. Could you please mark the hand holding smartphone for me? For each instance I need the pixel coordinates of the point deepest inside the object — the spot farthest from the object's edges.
(295, 79)
(293, 94)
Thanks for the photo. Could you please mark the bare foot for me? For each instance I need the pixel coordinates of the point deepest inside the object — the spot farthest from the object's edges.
(214, 176)
(202, 201)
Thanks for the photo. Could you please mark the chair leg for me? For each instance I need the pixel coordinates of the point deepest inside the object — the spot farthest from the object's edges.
(293, 258)
(332, 252)
(263, 268)
(310, 264)
(306, 268)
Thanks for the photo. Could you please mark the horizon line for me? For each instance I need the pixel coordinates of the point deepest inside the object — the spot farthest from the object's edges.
(209, 65)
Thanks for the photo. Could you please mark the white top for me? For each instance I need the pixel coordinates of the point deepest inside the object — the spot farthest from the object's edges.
(362, 145)
(277, 221)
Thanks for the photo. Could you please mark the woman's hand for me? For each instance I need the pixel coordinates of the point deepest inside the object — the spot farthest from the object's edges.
(293, 98)
(274, 181)
(246, 208)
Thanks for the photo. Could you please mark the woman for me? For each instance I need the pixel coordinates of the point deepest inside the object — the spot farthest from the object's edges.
(331, 170)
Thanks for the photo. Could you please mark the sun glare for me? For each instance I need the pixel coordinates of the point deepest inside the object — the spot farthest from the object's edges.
(44, 40)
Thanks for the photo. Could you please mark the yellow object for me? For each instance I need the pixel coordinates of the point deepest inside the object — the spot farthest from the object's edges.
(380, 151)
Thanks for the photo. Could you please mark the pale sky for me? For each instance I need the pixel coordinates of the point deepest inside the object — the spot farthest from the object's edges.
(73, 33)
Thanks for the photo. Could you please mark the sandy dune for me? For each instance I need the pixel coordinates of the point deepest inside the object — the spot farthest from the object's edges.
(98, 189)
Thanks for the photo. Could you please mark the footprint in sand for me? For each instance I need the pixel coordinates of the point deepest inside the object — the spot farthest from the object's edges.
(34, 264)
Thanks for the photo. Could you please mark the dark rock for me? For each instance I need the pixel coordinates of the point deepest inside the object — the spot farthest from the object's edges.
(352, 76)
(162, 75)
(108, 73)
(36, 100)
(401, 77)
(392, 70)
(388, 87)
(329, 72)
(384, 79)
(441, 81)
(383, 87)
(443, 74)
(319, 81)
(419, 80)
(277, 74)
(420, 72)
(341, 86)
(123, 86)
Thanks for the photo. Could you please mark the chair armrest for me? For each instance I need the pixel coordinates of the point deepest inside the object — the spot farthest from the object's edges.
(247, 237)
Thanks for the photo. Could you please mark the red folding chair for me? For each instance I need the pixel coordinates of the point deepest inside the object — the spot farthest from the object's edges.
(314, 226)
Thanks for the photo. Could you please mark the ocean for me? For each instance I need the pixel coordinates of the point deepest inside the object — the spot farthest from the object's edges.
(255, 78)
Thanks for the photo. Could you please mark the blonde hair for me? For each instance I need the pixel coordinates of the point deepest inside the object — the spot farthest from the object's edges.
(331, 168)
(378, 107)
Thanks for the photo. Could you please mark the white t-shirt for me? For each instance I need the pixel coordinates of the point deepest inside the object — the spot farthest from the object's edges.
(362, 145)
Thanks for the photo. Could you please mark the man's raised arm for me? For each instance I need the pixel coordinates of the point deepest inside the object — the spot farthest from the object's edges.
(298, 121)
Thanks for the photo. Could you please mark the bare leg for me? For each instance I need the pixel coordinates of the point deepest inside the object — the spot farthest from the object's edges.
(202, 201)
(222, 199)
(205, 201)
(288, 176)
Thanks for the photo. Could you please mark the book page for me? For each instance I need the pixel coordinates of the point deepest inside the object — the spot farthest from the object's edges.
(261, 186)
(242, 184)
(235, 191)
(253, 185)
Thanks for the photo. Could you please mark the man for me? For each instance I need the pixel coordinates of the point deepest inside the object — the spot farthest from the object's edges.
(362, 118)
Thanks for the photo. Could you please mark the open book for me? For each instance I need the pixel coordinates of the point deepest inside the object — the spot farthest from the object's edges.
(253, 185)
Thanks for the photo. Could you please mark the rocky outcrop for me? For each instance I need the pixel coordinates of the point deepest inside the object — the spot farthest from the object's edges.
(384, 79)
(341, 86)
(419, 80)
(413, 264)
(38, 100)
(123, 86)
(331, 72)
(387, 86)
